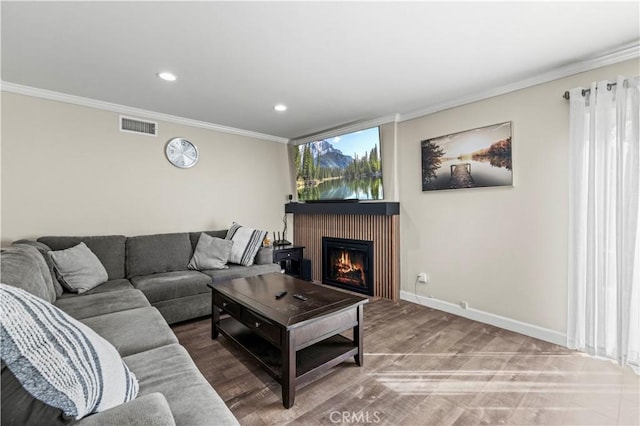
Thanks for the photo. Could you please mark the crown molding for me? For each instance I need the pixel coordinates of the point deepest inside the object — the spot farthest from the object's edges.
(123, 109)
(623, 53)
(620, 54)
(349, 128)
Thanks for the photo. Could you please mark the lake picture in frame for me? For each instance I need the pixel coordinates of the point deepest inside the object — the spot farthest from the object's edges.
(471, 159)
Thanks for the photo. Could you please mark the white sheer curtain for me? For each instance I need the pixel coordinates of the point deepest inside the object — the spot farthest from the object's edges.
(604, 221)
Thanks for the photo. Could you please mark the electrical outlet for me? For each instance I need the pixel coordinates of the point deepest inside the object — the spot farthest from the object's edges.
(464, 305)
(423, 277)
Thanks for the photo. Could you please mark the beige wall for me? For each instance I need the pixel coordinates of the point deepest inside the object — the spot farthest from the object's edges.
(68, 170)
(503, 250)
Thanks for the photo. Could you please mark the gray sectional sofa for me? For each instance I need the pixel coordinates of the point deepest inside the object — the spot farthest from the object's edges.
(157, 266)
(148, 287)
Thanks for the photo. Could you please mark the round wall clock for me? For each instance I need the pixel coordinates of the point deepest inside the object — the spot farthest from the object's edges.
(181, 153)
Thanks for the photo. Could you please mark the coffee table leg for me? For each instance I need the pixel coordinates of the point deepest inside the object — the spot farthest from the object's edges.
(358, 337)
(215, 319)
(289, 370)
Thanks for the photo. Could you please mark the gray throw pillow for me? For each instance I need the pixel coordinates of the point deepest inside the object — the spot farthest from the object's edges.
(210, 253)
(19, 407)
(78, 269)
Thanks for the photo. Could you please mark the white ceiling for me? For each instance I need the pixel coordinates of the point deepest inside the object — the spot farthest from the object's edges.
(331, 63)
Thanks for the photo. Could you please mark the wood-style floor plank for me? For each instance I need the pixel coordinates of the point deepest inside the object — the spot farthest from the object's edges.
(423, 366)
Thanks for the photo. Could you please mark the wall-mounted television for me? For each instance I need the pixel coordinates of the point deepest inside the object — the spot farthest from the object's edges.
(346, 167)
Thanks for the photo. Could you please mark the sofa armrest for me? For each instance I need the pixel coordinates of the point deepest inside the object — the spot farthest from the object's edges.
(149, 410)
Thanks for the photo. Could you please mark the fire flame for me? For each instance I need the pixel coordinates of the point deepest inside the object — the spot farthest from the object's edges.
(345, 265)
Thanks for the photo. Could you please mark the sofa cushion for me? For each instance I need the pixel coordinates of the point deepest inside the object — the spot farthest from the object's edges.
(150, 254)
(211, 253)
(147, 410)
(195, 236)
(44, 250)
(246, 243)
(264, 256)
(78, 269)
(185, 308)
(172, 285)
(134, 330)
(91, 305)
(24, 267)
(59, 360)
(108, 248)
(170, 371)
(237, 271)
(111, 285)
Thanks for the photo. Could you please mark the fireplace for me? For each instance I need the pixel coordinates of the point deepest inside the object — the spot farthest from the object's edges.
(348, 264)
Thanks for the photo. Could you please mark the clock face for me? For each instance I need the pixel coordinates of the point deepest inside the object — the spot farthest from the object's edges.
(181, 153)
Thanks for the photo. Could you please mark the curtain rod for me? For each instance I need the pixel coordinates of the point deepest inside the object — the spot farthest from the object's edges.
(585, 92)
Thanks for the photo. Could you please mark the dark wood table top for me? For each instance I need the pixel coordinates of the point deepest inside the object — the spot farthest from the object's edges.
(258, 294)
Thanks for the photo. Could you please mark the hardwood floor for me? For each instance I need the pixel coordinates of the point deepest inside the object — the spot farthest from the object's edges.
(427, 367)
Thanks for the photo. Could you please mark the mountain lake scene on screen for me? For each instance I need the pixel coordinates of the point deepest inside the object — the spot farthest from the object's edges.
(471, 159)
(346, 167)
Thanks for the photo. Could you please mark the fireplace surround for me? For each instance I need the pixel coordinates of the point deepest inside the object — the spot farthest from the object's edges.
(372, 221)
(348, 264)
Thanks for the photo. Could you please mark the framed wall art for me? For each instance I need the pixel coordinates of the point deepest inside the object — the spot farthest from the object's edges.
(471, 159)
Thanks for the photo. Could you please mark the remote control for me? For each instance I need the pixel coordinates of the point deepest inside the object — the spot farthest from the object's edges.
(300, 297)
(280, 294)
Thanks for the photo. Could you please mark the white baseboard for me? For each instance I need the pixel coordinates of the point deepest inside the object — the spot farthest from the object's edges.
(488, 318)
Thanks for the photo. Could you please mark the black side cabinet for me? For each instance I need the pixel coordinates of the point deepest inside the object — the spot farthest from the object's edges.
(290, 259)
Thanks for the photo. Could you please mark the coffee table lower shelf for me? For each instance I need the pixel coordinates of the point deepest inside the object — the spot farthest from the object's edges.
(311, 361)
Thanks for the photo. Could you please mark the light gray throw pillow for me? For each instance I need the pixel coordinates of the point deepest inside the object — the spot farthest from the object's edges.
(210, 253)
(78, 269)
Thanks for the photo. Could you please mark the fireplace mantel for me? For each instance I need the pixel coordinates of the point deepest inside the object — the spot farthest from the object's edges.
(376, 208)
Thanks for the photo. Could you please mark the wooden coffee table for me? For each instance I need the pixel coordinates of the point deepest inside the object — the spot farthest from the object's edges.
(294, 340)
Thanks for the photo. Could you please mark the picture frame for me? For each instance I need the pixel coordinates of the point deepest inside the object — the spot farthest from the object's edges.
(475, 158)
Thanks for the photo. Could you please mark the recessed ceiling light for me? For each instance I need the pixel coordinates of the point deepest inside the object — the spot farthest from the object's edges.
(280, 108)
(167, 76)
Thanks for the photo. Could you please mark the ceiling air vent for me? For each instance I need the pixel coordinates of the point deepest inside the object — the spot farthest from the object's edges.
(135, 125)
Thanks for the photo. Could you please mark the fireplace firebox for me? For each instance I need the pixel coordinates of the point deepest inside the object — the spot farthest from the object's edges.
(348, 264)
